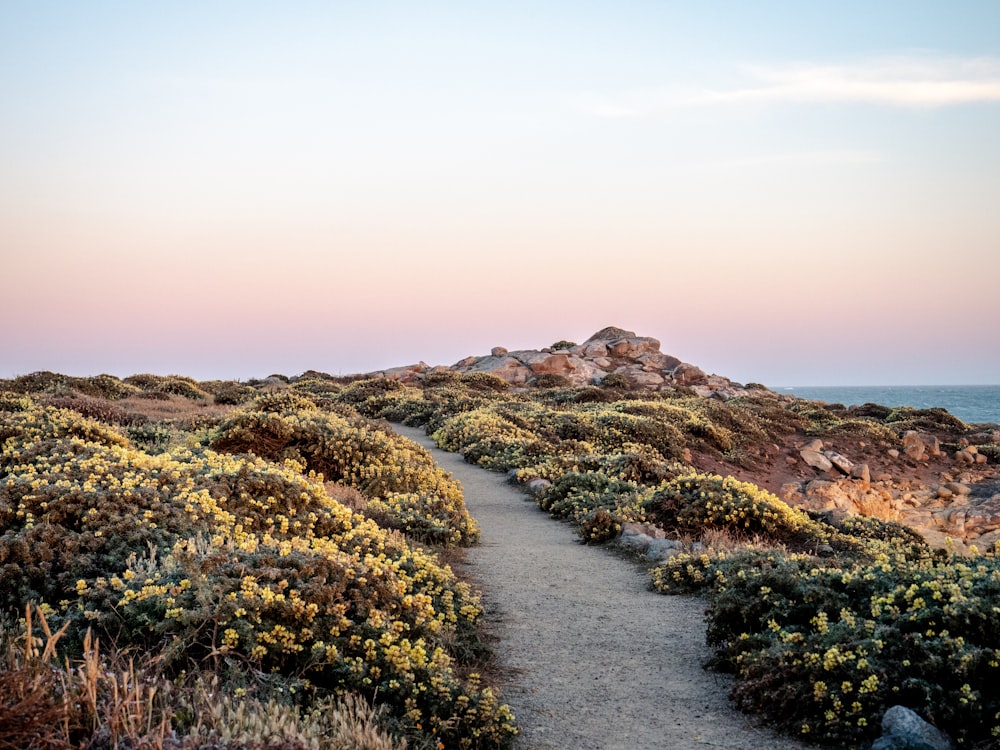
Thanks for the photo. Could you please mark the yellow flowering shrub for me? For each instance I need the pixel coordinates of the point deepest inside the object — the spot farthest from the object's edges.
(693, 502)
(198, 554)
(404, 486)
(823, 638)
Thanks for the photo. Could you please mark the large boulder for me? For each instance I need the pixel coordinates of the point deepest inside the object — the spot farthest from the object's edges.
(816, 459)
(902, 729)
(408, 374)
(843, 463)
(590, 349)
(612, 349)
(623, 344)
(657, 361)
(578, 371)
(631, 348)
(609, 334)
(918, 445)
(509, 368)
(846, 496)
(983, 517)
(686, 374)
(638, 377)
(554, 364)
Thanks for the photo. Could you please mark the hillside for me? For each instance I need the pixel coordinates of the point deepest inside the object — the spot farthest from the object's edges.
(923, 468)
(274, 548)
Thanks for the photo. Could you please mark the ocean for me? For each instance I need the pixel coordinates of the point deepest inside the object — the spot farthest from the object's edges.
(970, 403)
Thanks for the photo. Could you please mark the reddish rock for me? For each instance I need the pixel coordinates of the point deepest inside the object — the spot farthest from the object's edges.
(554, 364)
(914, 446)
(641, 378)
(862, 472)
(685, 374)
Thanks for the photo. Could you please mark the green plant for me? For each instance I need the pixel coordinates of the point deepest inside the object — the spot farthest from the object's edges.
(694, 502)
(551, 380)
(599, 526)
(233, 394)
(615, 380)
(398, 477)
(484, 381)
(197, 557)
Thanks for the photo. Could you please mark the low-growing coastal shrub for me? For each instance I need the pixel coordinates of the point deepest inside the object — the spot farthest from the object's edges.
(695, 502)
(823, 648)
(195, 556)
(398, 477)
(825, 623)
(178, 385)
(232, 394)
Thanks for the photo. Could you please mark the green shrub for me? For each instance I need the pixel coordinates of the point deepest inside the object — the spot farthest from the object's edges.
(551, 380)
(414, 495)
(824, 651)
(484, 381)
(176, 385)
(615, 380)
(152, 437)
(103, 386)
(11, 401)
(576, 495)
(95, 408)
(904, 418)
(694, 502)
(233, 394)
(39, 382)
(197, 556)
(283, 401)
(599, 526)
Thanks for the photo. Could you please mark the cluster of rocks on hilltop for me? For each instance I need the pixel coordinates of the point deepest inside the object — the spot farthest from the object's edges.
(959, 506)
(636, 360)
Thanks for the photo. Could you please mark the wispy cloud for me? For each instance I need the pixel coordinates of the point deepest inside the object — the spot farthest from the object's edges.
(919, 81)
(829, 157)
(897, 82)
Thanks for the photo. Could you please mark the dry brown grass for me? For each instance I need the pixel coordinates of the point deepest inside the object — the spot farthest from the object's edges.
(46, 704)
(33, 712)
(349, 497)
(173, 407)
(724, 540)
(107, 700)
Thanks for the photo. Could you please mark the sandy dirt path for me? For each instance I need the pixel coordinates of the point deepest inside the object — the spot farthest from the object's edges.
(596, 660)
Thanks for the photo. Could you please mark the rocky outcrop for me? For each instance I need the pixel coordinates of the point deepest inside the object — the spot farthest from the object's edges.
(919, 446)
(405, 374)
(959, 513)
(637, 360)
(949, 492)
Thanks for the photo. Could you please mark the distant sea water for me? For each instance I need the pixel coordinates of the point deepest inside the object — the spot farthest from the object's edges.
(970, 403)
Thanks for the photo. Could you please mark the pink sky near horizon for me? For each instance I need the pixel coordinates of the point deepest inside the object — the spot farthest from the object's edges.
(231, 194)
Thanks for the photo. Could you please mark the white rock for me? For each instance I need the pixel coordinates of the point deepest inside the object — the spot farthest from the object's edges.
(816, 459)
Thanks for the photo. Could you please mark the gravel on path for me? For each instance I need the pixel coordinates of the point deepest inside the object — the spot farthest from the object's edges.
(597, 660)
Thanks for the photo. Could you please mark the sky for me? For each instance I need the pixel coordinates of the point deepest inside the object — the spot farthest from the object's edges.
(781, 192)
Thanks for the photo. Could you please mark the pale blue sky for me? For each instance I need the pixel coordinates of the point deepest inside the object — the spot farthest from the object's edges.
(782, 192)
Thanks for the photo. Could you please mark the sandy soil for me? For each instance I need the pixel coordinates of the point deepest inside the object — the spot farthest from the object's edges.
(596, 660)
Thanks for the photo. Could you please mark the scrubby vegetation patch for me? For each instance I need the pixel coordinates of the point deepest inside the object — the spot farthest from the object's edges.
(199, 558)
